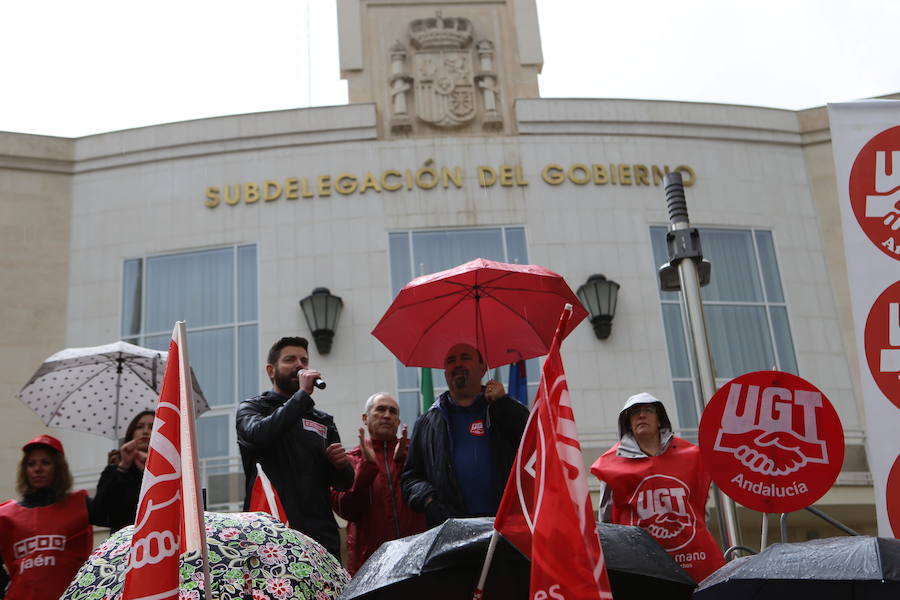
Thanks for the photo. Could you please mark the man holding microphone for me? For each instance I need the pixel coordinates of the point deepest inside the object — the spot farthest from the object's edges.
(297, 445)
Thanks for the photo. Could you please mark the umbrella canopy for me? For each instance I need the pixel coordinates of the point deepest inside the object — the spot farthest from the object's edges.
(99, 389)
(444, 563)
(252, 556)
(508, 312)
(854, 567)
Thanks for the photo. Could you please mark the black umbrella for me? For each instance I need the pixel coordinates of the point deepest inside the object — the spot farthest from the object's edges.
(444, 563)
(855, 567)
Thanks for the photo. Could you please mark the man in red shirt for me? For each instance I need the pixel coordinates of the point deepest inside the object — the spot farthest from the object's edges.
(374, 506)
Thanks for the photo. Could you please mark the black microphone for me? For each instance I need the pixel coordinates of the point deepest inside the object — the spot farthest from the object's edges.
(319, 382)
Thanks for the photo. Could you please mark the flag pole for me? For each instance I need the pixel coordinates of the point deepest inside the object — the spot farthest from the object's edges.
(479, 589)
(194, 521)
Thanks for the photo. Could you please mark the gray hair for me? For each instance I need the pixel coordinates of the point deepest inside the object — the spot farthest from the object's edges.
(374, 398)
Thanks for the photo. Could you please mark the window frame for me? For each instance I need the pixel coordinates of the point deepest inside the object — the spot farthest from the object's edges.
(229, 409)
(765, 303)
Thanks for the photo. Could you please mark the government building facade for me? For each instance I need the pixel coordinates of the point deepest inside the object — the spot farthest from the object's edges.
(445, 153)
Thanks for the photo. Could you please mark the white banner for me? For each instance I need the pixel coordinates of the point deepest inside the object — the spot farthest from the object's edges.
(866, 145)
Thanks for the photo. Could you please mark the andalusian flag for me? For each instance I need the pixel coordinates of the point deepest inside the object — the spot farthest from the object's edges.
(426, 388)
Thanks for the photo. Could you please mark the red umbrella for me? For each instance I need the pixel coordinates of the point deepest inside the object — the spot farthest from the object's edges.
(508, 312)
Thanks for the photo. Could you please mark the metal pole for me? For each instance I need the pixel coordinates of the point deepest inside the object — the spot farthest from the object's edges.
(683, 242)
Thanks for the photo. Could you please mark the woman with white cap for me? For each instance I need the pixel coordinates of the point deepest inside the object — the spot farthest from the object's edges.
(46, 536)
(653, 479)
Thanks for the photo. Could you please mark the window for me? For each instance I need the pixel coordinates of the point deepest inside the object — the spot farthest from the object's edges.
(415, 253)
(215, 292)
(746, 315)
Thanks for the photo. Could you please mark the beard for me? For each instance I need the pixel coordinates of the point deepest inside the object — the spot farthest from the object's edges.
(288, 383)
(459, 379)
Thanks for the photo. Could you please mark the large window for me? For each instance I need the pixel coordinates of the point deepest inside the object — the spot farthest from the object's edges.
(746, 316)
(215, 292)
(415, 253)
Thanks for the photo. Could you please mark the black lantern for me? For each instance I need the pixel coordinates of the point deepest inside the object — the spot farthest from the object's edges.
(322, 309)
(599, 294)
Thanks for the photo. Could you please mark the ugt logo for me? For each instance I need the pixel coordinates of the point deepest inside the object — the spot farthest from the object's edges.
(770, 430)
(875, 191)
(660, 506)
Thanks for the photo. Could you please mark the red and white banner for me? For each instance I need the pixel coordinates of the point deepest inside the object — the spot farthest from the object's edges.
(546, 509)
(264, 498)
(169, 518)
(772, 441)
(866, 146)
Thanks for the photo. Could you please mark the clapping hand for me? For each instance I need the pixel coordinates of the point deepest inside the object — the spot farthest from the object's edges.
(402, 448)
(364, 446)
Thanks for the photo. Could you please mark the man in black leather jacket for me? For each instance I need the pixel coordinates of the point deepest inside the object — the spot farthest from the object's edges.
(463, 448)
(297, 445)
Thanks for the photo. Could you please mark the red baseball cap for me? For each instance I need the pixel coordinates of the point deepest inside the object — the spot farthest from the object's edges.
(44, 440)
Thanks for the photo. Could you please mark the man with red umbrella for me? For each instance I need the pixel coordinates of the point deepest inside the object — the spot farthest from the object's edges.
(463, 448)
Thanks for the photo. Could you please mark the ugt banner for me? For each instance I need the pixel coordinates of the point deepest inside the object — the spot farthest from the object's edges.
(772, 441)
(865, 140)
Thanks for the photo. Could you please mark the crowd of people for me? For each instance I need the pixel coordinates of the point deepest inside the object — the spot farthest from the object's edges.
(389, 486)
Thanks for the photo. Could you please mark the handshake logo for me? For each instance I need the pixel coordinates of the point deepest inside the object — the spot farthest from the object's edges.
(885, 203)
(772, 431)
(661, 506)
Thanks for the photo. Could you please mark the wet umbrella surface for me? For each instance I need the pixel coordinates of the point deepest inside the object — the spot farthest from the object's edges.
(252, 556)
(851, 568)
(508, 312)
(444, 563)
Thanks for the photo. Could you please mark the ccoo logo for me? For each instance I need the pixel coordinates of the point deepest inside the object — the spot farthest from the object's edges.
(660, 505)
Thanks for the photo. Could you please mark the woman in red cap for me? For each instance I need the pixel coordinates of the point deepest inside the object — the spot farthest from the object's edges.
(46, 536)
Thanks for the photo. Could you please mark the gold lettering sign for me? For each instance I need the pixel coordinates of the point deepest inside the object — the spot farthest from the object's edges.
(429, 177)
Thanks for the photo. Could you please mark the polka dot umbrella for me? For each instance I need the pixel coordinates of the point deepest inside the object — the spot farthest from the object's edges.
(99, 389)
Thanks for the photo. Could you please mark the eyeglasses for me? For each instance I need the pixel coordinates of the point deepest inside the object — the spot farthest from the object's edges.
(650, 409)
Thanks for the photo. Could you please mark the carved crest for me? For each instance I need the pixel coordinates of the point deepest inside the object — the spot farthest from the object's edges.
(450, 80)
(444, 87)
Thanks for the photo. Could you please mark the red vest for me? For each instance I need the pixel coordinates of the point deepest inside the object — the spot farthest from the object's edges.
(44, 547)
(666, 495)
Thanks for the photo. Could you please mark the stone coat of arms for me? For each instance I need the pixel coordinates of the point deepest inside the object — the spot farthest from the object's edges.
(444, 87)
(447, 82)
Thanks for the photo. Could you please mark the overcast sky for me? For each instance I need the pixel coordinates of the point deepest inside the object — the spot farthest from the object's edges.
(74, 68)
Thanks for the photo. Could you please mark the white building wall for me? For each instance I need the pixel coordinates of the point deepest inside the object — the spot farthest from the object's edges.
(141, 192)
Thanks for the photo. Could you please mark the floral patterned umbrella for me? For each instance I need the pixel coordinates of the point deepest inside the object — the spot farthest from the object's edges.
(252, 556)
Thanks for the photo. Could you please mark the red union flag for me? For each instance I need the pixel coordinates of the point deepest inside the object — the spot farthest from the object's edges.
(546, 509)
(169, 518)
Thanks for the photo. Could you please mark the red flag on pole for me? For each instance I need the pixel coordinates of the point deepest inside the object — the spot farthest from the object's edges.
(264, 498)
(546, 509)
(169, 517)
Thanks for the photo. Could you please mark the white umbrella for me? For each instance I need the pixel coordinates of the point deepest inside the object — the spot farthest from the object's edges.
(99, 389)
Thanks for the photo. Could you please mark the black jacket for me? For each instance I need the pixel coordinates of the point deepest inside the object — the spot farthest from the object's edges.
(117, 497)
(429, 464)
(288, 438)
